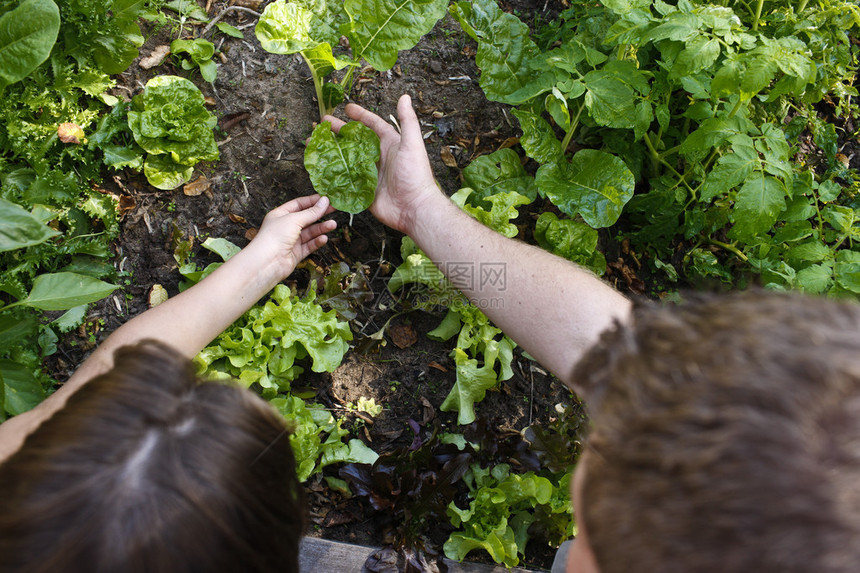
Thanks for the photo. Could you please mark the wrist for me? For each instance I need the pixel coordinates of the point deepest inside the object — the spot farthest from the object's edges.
(422, 211)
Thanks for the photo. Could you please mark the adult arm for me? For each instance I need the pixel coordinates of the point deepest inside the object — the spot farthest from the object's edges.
(192, 319)
(551, 307)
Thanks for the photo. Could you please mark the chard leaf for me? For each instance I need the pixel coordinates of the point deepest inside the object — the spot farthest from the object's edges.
(342, 167)
(471, 385)
(20, 228)
(609, 99)
(378, 29)
(498, 172)
(757, 205)
(505, 54)
(572, 240)
(538, 140)
(62, 291)
(285, 28)
(27, 36)
(22, 391)
(595, 185)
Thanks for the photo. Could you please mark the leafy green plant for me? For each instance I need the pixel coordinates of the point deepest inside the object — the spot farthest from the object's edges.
(690, 102)
(27, 36)
(196, 53)
(170, 122)
(501, 511)
(266, 344)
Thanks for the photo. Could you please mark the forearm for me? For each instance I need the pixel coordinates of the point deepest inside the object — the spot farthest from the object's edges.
(551, 307)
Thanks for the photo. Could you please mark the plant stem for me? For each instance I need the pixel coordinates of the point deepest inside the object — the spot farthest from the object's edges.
(317, 86)
(223, 13)
(656, 157)
(729, 247)
(573, 125)
(758, 8)
(802, 6)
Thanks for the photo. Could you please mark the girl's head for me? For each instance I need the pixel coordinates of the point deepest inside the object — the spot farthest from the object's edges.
(149, 469)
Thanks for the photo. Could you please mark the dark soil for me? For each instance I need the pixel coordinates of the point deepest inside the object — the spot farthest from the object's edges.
(267, 109)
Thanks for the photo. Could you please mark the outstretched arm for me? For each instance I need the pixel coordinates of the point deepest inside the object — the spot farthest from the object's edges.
(551, 307)
(192, 319)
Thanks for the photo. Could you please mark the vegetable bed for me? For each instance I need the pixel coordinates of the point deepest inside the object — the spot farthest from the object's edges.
(662, 146)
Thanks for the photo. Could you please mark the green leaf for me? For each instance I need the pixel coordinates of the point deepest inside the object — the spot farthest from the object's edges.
(19, 228)
(556, 105)
(72, 318)
(120, 157)
(538, 140)
(757, 205)
(198, 49)
(847, 270)
(221, 247)
(62, 291)
(170, 118)
(498, 172)
(504, 208)
(322, 61)
(609, 99)
(470, 387)
(595, 185)
(571, 240)
(342, 167)
(731, 170)
(15, 329)
(231, 31)
(699, 54)
(164, 173)
(815, 279)
(22, 391)
(285, 28)
(505, 53)
(378, 29)
(27, 36)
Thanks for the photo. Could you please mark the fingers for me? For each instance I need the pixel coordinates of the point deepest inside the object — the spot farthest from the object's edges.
(410, 129)
(297, 204)
(317, 230)
(310, 214)
(308, 247)
(336, 123)
(379, 126)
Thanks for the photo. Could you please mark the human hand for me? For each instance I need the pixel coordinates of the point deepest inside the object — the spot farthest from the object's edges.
(405, 177)
(288, 234)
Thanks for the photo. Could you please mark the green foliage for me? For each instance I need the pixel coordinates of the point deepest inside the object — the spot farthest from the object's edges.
(196, 53)
(318, 439)
(342, 166)
(265, 345)
(170, 122)
(501, 510)
(27, 36)
(687, 103)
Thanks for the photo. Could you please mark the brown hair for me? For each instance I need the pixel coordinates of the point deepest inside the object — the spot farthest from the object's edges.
(147, 469)
(726, 437)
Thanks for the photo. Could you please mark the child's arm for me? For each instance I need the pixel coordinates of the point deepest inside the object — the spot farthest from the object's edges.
(192, 319)
(551, 307)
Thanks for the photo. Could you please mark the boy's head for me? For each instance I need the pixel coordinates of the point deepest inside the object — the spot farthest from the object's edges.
(147, 469)
(726, 437)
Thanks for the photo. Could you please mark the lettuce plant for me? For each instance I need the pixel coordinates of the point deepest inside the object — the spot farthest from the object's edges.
(170, 122)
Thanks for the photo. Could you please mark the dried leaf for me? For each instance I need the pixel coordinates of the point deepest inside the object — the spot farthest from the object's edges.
(403, 335)
(209, 101)
(237, 218)
(447, 157)
(70, 133)
(252, 4)
(126, 203)
(157, 295)
(197, 187)
(843, 159)
(509, 142)
(437, 366)
(251, 233)
(155, 57)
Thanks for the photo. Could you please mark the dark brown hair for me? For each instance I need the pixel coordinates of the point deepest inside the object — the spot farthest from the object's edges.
(726, 437)
(147, 469)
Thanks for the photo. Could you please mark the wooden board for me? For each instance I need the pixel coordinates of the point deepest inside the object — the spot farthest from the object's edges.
(321, 556)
